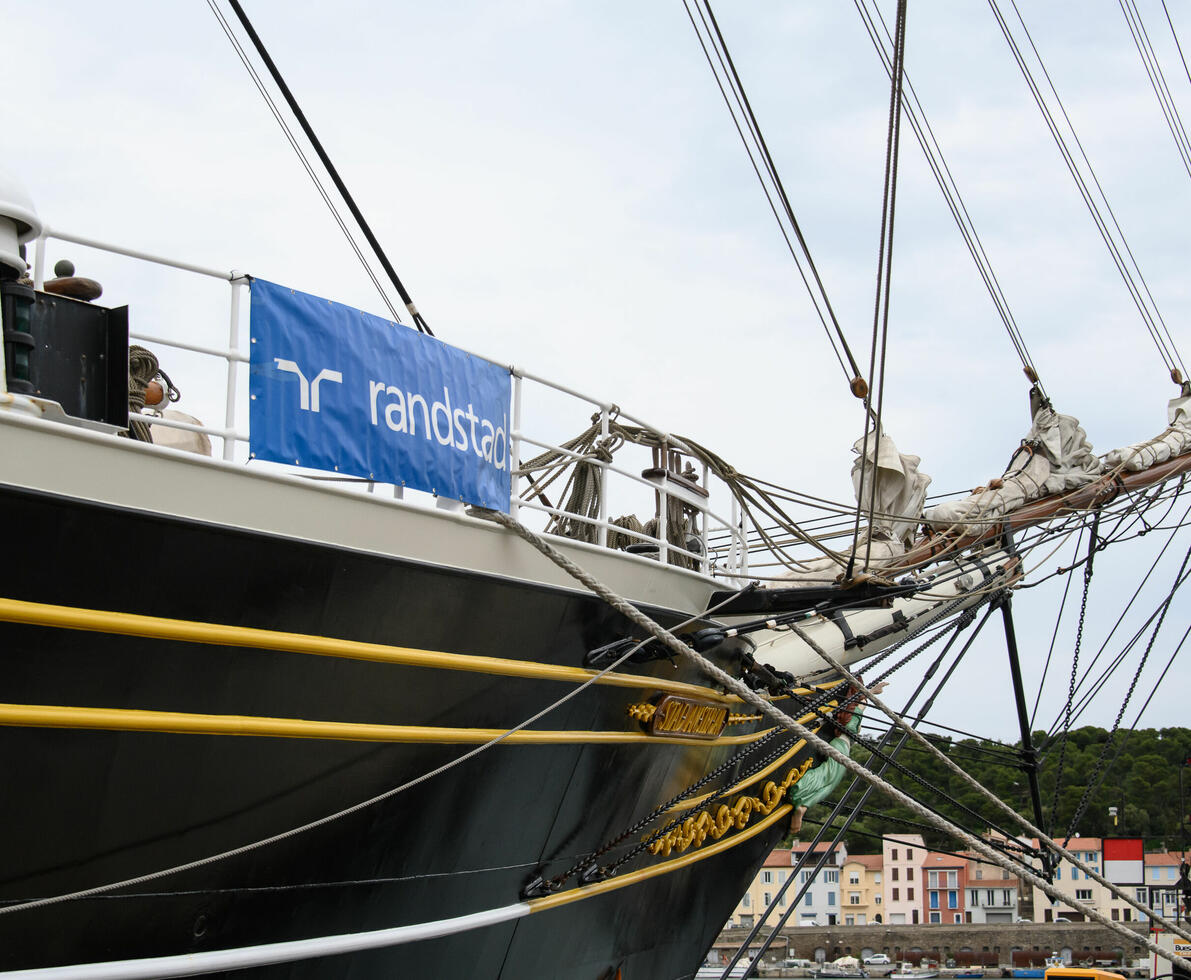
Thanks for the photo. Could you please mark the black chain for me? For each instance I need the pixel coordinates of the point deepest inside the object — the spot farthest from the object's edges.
(1093, 547)
(588, 864)
(1097, 777)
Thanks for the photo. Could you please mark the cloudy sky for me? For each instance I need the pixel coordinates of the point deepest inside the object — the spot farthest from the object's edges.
(560, 187)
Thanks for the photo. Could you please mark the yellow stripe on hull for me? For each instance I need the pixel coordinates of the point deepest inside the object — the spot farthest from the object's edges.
(183, 723)
(155, 627)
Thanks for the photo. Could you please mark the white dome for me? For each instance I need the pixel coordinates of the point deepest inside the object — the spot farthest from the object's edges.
(18, 221)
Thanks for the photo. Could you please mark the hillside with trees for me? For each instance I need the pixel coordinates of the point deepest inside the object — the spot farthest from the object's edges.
(1137, 772)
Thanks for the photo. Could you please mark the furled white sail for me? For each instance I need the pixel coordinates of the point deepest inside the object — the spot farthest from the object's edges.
(1173, 441)
(1055, 456)
(891, 484)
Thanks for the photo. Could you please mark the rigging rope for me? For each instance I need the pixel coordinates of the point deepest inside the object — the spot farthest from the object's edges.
(1149, 61)
(732, 684)
(323, 821)
(774, 189)
(950, 189)
(1099, 771)
(876, 380)
(1150, 314)
(302, 158)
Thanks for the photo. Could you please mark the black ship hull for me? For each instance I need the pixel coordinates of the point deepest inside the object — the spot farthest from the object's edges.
(87, 807)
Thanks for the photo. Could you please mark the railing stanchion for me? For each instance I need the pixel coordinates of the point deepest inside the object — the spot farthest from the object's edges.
(233, 344)
(706, 566)
(602, 527)
(515, 448)
(39, 262)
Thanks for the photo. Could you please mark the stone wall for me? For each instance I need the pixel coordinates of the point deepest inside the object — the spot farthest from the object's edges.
(912, 942)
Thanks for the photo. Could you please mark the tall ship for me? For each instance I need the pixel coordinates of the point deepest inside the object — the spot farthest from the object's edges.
(397, 659)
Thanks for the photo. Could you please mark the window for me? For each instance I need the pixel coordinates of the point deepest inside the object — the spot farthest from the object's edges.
(893, 873)
(894, 858)
(766, 898)
(853, 898)
(909, 854)
(877, 877)
(781, 875)
(913, 916)
(849, 920)
(853, 877)
(1005, 875)
(1170, 874)
(807, 900)
(1128, 915)
(831, 898)
(973, 898)
(952, 879)
(767, 877)
(781, 900)
(747, 901)
(934, 917)
(831, 876)
(1084, 894)
(979, 873)
(932, 879)
(909, 894)
(953, 899)
(1058, 874)
(958, 917)
(1007, 897)
(1116, 915)
(990, 897)
(934, 902)
(806, 876)
(1154, 872)
(909, 874)
(895, 896)
(877, 901)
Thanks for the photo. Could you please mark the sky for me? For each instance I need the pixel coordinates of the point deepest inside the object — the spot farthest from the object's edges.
(560, 187)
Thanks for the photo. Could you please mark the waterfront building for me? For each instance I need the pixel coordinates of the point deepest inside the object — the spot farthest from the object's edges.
(902, 860)
(821, 904)
(861, 890)
(1079, 891)
(761, 891)
(944, 881)
(992, 892)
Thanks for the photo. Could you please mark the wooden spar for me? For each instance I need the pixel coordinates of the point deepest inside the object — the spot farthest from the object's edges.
(1101, 491)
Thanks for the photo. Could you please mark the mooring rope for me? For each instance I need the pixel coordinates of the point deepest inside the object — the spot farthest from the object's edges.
(735, 686)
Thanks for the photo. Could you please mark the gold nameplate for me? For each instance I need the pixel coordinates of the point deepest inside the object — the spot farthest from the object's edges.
(687, 718)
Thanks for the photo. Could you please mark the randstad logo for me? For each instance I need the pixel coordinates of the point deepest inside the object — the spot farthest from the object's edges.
(308, 390)
(464, 431)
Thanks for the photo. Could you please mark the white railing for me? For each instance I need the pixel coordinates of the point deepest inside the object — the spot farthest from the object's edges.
(728, 531)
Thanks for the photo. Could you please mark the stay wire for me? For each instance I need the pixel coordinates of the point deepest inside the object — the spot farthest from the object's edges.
(933, 152)
(1175, 34)
(872, 420)
(296, 109)
(1053, 638)
(1098, 773)
(1150, 319)
(811, 848)
(1157, 78)
(355, 808)
(761, 149)
(302, 158)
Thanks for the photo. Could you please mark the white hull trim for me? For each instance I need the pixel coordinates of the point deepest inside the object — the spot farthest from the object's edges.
(247, 957)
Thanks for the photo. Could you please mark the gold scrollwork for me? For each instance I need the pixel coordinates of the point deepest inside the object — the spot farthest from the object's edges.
(693, 831)
(642, 712)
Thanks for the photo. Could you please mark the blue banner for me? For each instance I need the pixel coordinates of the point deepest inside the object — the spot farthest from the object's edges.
(337, 389)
